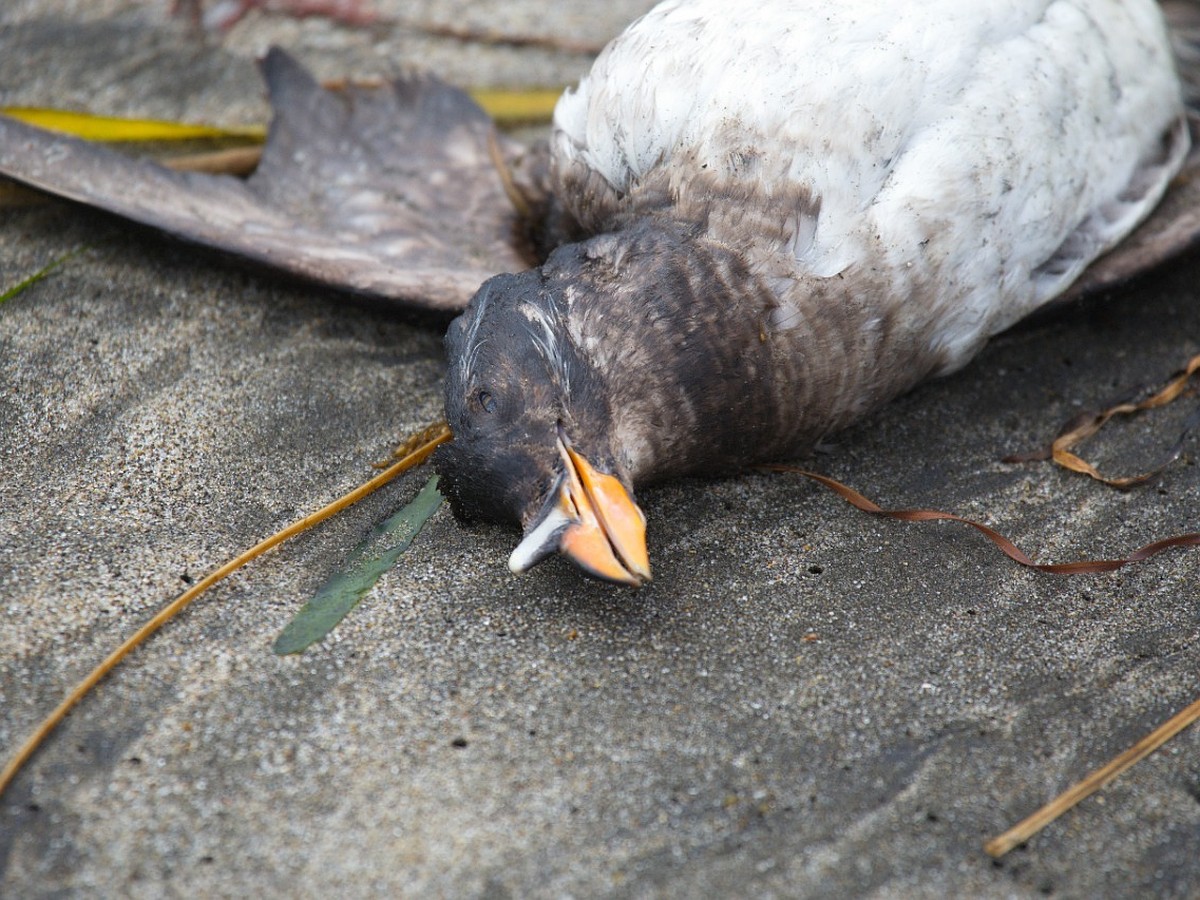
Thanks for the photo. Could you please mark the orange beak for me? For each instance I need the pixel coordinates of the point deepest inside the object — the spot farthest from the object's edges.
(593, 521)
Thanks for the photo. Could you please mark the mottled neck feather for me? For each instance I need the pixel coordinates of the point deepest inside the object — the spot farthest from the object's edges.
(703, 373)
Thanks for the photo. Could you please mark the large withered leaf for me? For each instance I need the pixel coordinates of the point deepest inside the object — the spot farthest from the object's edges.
(386, 190)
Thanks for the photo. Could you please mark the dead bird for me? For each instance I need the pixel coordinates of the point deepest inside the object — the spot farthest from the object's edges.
(798, 213)
(750, 229)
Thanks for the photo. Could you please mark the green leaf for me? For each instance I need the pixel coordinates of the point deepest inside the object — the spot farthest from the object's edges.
(38, 275)
(341, 593)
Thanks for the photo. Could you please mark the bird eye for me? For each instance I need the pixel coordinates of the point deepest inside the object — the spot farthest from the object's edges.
(487, 401)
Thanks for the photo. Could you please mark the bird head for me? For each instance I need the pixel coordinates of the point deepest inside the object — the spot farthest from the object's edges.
(533, 434)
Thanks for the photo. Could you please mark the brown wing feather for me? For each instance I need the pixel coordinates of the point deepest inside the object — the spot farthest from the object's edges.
(1174, 226)
(1171, 229)
(387, 191)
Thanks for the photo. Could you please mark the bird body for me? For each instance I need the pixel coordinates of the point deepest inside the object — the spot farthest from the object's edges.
(978, 155)
(798, 211)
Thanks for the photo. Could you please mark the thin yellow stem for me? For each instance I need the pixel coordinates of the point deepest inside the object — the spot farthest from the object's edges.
(415, 458)
(1027, 828)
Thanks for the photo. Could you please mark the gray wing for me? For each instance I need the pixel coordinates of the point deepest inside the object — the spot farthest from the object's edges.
(389, 190)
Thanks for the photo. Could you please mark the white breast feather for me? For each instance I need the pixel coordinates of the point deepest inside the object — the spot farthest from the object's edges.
(1000, 146)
